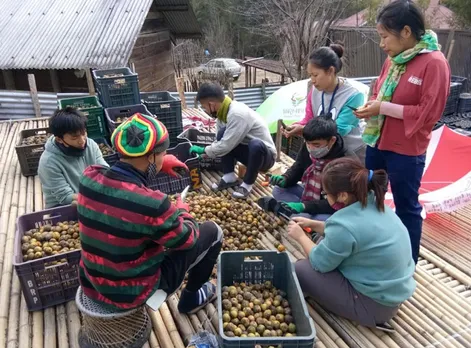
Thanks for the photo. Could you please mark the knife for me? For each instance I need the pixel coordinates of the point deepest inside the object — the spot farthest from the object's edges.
(286, 217)
(184, 193)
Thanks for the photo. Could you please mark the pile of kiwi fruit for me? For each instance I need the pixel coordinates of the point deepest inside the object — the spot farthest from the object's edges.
(240, 221)
(50, 240)
(120, 119)
(36, 139)
(105, 149)
(256, 310)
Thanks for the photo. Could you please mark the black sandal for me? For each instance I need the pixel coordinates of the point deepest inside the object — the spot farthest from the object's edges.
(222, 185)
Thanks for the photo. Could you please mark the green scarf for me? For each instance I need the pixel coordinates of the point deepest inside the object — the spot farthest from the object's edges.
(224, 110)
(398, 67)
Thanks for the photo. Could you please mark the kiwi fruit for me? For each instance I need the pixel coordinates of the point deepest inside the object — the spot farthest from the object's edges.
(49, 240)
(257, 310)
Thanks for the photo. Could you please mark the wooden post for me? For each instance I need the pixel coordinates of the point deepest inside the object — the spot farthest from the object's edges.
(450, 51)
(91, 87)
(264, 90)
(55, 81)
(34, 95)
(282, 79)
(181, 91)
(9, 79)
(278, 141)
(246, 76)
(231, 88)
(255, 76)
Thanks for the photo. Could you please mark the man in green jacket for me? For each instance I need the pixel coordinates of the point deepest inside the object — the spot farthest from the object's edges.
(68, 152)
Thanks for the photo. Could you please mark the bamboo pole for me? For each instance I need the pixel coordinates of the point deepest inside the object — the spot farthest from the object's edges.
(61, 318)
(153, 341)
(13, 316)
(171, 327)
(325, 328)
(183, 323)
(159, 327)
(446, 267)
(50, 329)
(73, 321)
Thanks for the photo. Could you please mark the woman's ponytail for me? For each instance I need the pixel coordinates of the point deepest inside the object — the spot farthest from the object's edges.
(349, 175)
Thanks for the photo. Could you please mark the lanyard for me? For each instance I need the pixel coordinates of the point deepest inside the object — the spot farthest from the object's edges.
(331, 100)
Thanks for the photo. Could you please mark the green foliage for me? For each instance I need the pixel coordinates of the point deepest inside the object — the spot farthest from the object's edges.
(462, 9)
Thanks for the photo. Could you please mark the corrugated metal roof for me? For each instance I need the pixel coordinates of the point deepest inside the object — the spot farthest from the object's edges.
(55, 34)
(180, 18)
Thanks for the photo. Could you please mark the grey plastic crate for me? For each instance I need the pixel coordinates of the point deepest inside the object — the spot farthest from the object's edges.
(196, 137)
(239, 266)
(44, 283)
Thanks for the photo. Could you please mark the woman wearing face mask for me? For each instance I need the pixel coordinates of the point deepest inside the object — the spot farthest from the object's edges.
(408, 99)
(332, 95)
(323, 144)
(363, 268)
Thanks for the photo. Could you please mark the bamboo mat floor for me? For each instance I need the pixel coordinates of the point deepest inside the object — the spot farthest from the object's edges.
(438, 315)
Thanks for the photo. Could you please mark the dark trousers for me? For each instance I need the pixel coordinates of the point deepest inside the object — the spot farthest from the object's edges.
(405, 174)
(198, 261)
(335, 293)
(255, 156)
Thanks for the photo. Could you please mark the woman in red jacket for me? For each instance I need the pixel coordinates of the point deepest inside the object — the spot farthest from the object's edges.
(408, 100)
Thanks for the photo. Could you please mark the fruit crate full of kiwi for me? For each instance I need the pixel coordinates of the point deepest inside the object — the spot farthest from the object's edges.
(30, 147)
(258, 306)
(46, 256)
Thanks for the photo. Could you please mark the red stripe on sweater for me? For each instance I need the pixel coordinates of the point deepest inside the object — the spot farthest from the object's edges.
(123, 266)
(142, 281)
(124, 215)
(95, 173)
(109, 238)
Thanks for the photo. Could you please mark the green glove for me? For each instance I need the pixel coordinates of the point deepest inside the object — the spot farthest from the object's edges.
(297, 207)
(278, 180)
(199, 150)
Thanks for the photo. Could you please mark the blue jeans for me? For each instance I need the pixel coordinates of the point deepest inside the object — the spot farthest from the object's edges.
(255, 156)
(405, 174)
(293, 194)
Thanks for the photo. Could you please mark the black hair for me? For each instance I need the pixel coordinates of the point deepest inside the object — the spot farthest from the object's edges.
(68, 120)
(349, 175)
(396, 15)
(325, 57)
(210, 90)
(320, 128)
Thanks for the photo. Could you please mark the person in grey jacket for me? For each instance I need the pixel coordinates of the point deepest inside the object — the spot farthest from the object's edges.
(242, 136)
(67, 153)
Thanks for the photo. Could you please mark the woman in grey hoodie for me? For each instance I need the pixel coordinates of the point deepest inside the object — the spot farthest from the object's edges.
(67, 153)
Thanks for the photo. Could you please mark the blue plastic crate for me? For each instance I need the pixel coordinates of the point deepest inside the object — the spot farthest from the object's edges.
(117, 87)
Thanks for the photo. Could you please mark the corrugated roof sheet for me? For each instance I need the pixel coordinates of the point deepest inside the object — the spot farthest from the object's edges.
(55, 34)
(269, 65)
(180, 18)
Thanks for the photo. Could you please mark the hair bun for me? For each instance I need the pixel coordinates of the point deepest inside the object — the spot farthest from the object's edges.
(338, 49)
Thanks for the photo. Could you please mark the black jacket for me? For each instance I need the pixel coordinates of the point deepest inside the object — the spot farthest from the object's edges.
(303, 161)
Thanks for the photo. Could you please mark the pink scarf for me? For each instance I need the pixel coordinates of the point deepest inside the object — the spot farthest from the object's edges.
(312, 180)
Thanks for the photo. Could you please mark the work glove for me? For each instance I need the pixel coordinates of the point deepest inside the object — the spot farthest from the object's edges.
(182, 205)
(199, 150)
(278, 180)
(172, 165)
(297, 207)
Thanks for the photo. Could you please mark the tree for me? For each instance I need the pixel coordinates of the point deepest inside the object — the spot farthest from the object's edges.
(295, 27)
(462, 11)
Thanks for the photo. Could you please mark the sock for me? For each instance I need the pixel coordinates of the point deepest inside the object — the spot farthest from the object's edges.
(229, 177)
(247, 186)
(190, 300)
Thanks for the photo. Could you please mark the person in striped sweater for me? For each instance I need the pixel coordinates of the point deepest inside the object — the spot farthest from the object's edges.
(134, 240)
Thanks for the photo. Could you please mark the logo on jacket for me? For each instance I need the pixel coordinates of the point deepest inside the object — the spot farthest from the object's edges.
(297, 98)
(415, 80)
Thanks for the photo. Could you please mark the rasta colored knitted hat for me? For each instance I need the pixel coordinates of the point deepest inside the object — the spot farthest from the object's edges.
(140, 135)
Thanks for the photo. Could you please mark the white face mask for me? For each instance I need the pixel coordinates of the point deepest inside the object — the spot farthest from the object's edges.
(319, 152)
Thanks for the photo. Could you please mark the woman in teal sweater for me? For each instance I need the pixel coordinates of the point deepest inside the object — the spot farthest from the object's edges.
(362, 269)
